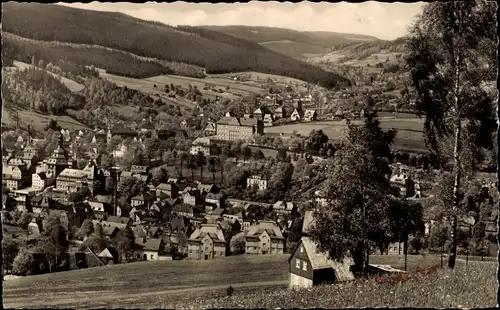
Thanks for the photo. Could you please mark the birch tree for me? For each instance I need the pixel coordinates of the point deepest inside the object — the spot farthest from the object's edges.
(452, 55)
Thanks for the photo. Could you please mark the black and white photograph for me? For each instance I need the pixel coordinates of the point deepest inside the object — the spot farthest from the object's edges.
(261, 154)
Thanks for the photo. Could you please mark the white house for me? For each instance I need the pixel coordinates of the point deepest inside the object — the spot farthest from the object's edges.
(257, 180)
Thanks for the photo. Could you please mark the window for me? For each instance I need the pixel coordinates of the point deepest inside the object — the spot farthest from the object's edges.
(152, 256)
(297, 263)
(304, 265)
(301, 249)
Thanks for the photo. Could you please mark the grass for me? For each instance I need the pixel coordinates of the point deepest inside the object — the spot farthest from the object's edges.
(38, 121)
(220, 82)
(409, 135)
(84, 287)
(147, 87)
(181, 284)
(70, 84)
(472, 286)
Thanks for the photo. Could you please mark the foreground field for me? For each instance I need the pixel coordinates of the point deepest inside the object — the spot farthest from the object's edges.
(158, 284)
(112, 284)
(409, 130)
(465, 287)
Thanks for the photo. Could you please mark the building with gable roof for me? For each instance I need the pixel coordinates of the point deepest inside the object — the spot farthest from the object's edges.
(233, 129)
(264, 238)
(207, 242)
(309, 267)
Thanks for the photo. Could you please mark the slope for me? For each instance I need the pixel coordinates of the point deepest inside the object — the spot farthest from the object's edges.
(293, 43)
(216, 52)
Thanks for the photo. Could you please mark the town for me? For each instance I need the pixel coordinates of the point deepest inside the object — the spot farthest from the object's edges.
(346, 169)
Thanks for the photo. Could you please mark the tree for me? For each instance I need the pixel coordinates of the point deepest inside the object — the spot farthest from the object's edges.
(24, 263)
(246, 152)
(212, 166)
(85, 230)
(10, 248)
(281, 155)
(237, 244)
(201, 161)
(24, 220)
(159, 175)
(125, 242)
(53, 242)
(191, 164)
(451, 56)
(257, 154)
(358, 181)
(315, 141)
(439, 234)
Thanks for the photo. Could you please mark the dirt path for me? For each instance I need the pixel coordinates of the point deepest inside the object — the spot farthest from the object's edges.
(67, 300)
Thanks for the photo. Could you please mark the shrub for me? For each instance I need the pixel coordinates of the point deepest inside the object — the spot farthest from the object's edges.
(24, 263)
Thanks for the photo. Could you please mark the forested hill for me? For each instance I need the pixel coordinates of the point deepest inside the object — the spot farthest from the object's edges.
(293, 43)
(216, 52)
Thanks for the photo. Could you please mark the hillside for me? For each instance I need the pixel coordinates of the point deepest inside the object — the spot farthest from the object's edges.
(298, 44)
(216, 52)
(365, 54)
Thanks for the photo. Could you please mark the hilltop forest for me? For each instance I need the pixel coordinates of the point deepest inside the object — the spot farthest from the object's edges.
(216, 52)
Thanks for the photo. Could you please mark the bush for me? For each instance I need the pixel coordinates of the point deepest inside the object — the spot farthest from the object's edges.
(24, 263)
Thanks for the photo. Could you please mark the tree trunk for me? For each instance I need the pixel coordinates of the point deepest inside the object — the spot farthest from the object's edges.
(201, 174)
(498, 218)
(213, 176)
(405, 250)
(456, 198)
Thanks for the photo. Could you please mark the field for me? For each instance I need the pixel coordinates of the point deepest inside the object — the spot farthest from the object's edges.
(119, 284)
(166, 284)
(409, 135)
(472, 286)
(70, 84)
(38, 121)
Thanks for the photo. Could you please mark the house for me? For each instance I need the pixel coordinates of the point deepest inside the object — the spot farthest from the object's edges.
(123, 210)
(192, 197)
(186, 210)
(216, 200)
(120, 220)
(208, 188)
(308, 222)
(233, 129)
(210, 129)
(120, 131)
(110, 231)
(310, 115)
(268, 120)
(339, 114)
(108, 256)
(309, 267)
(142, 170)
(100, 209)
(207, 242)
(264, 238)
(149, 249)
(145, 199)
(201, 145)
(297, 115)
(279, 113)
(282, 207)
(190, 122)
(234, 218)
(105, 224)
(171, 189)
(215, 214)
(40, 181)
(259, 181)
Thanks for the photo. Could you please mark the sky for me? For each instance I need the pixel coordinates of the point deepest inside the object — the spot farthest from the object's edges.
(385, 21)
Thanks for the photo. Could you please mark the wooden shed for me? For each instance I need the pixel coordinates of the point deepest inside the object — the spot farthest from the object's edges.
(309, 267)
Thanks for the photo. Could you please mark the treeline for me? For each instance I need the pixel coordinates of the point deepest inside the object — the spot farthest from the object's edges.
(113, 62)
(216, 52)
(40, 91)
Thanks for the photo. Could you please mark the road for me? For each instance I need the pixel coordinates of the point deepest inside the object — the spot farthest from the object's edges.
(70, 300)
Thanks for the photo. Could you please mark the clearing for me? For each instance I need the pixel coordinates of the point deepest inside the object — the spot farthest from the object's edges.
(70, 84)
(37, 121)
(409, 130)
(150, 284)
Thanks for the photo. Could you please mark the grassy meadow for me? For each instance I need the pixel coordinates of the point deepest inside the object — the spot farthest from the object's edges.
(258, 281)
(70, 84)
(409, 130)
